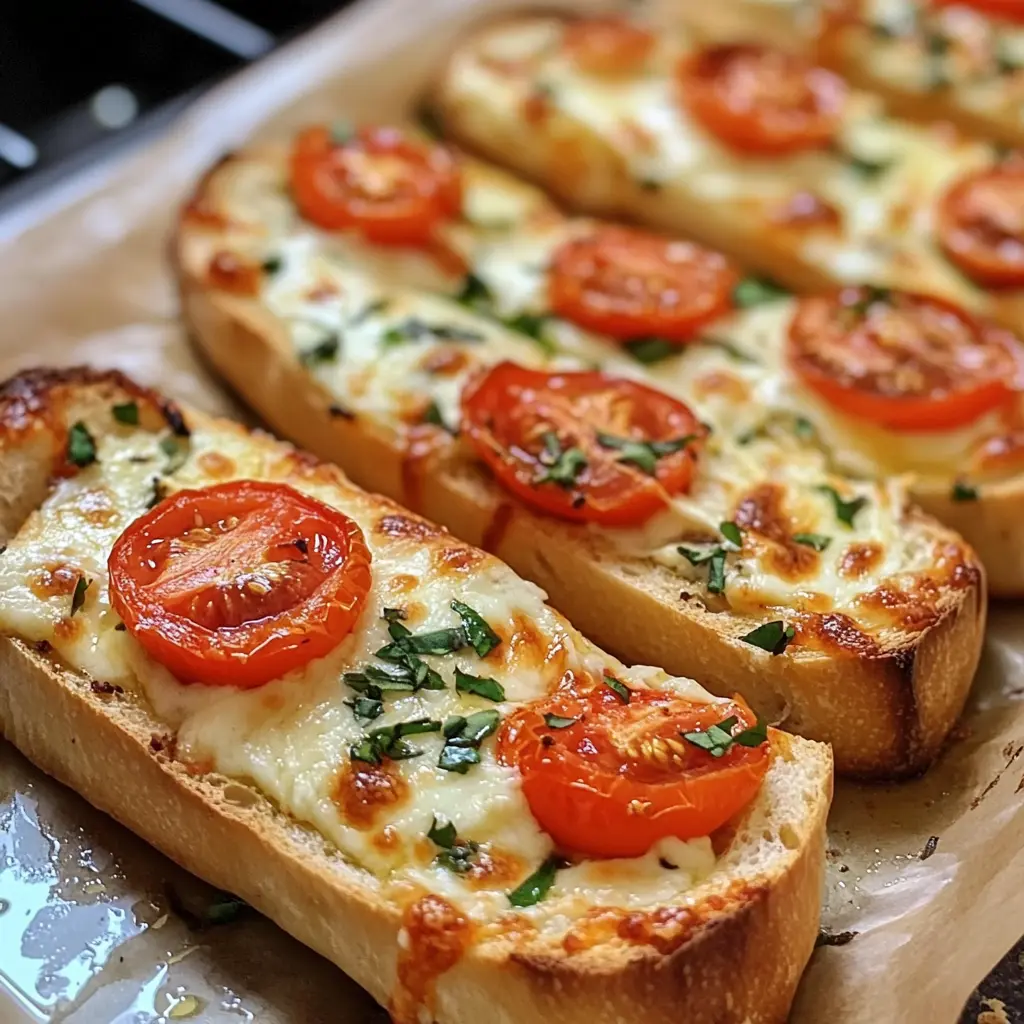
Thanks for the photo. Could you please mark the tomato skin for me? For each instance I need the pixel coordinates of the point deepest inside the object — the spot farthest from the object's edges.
(905, 361)
(1011, 10)
(981, 225)
(622, 777)
(762, 101)
(628, 284)
(608, 45)
(239, 583)
(507, 410)
(391, 189)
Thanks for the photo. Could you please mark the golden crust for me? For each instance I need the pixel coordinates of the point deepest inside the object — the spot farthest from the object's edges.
(886, 714)
(107, 745)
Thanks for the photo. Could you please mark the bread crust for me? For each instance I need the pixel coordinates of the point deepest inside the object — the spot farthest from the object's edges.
(107, 745)
(886, 716)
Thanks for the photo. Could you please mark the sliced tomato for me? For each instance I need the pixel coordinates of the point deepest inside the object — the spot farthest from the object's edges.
(239, 583)
(630, 284)
(902, 360)
(1011, 10)
(620, 776)
(608, 45)
(762, 101)
(981, 225)
(391, 189)
(559, 442)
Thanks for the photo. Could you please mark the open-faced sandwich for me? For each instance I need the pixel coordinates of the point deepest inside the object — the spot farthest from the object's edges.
(623, 418)
(380, 736)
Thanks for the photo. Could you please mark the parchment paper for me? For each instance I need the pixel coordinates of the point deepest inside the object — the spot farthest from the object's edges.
(91, 925)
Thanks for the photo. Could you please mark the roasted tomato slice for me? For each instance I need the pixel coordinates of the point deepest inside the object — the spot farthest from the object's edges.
(762, 101)
(905, 361)
(631, 283)
(239, 583)
(1012, 10)
(392, 189)
(607, 778)
(607, 46)
(981, 225)
(582, 446)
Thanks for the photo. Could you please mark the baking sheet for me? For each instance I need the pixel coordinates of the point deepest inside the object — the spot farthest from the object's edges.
(91, 925)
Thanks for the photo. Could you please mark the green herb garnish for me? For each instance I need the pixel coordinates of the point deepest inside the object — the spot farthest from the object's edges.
(442, 832)
(456, 854)
(432, 414)
(818, 541)
(176, 452)
(717, 739)
(490, 689)
(463, 736)
(644, 454)
(389, 741)
(126, 413)
(558, 721)
(732, 533)
(533, 326)
(651, 350)
(537, 886)
(366, 708)
(481, 637)
(325, 351)
(622, 691)
(81, 445)
(474, 293)
(963, 492)
(563, 466)
(773, 637)
(845, 510)
(414, 329)
(342, 132)
(755, 291)
(78, 597)
(272, 265)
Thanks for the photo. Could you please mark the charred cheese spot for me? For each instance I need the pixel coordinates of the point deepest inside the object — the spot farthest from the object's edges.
(458, 559)
(806, 209)
(444, 360)
(388, 839)
(999, 455)
(721, 383)
(363, 792)
(523, 646)
(200, 211)
(233, 273)
(536, 107)
(216, 465)
(835, 633)
(55, 581)
(433, 938)
(762, 513)
(402, 583)
(860, 559)
(322, 291)
(407, 527)
(494, 868)
(596, 927)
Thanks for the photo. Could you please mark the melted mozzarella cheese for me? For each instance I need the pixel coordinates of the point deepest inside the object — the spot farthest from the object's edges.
(291, 737)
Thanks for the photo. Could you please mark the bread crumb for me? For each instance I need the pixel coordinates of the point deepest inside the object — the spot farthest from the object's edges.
(995, 1014)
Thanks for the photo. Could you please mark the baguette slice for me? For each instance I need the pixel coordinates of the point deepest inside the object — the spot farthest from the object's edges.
(731, 948)
(883, 692)
(625, 145)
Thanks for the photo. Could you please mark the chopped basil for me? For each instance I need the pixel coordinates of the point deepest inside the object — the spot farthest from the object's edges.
(937, 47)
(78, 597)
(390, 615)
(732, 533)
(755, 291)
(563, 466)
(126, 413)
(481, 637)
(366, 708)
(1006, 62)
(818, 541)
(474, 293)
(342, 132)
(963, 492)
(414, 329)
(159, 492)
(644, 454)
(456, 854)
(463, 735)
(773, 637)
(559, 721)
(176, 452)
(442, 833)
(845, 510)
(715, 559)
(622, 691)
(803, 428)
(432, 414)
(651, 350)
(389, 741)
(537, 886)
(490, 689)
(717, 739)
(372, 308)
(872, 294)
(272, 265)
(650, 184)
(81, 446)
(438, 641)
(458, 759)
(729, 347)
(866, 168)
(325, 351)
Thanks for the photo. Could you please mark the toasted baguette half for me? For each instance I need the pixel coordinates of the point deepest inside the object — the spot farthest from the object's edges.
(732, 948)
(627, 146)
(885, 699)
